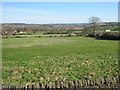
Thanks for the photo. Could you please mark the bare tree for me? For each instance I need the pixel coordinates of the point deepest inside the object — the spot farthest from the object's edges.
(93, 21)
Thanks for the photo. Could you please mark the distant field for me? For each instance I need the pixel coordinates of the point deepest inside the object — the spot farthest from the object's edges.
(42, 34)
(34, 60)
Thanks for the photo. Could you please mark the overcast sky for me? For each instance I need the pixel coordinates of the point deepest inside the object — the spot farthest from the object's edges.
(58, 12)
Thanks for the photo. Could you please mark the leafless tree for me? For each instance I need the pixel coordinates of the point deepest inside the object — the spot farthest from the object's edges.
(93, 21)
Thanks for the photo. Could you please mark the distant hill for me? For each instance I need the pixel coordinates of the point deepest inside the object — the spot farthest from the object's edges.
(71, 24)
(49, 24)
(14, 23)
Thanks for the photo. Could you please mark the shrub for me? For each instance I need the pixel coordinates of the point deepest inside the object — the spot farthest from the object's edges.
(22, 33)
(18, 37)
(108, 36)
(90, 35)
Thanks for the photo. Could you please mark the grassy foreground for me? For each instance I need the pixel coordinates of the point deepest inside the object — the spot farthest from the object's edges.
(35, 60)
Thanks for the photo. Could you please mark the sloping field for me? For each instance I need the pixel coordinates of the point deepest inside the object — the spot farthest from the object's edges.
(51, 59)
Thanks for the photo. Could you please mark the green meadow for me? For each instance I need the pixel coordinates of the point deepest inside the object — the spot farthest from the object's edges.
(53, 59)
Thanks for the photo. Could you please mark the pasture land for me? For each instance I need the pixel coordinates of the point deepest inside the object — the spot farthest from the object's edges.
(52, 59)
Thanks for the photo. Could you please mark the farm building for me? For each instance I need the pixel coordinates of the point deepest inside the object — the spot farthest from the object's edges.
(107, 30)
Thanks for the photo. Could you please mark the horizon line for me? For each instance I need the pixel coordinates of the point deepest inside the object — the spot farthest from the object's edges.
(49, 23)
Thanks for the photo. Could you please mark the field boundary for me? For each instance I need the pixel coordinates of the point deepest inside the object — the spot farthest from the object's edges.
(106, 82)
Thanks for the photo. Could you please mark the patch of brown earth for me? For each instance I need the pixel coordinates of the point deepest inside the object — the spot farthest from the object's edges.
(17, 46)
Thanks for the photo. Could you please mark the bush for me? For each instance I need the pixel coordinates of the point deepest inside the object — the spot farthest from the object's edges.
(108, 36)
(14, 34)
(22, 34)
(79, 35)
(18, 37)
(90, 35)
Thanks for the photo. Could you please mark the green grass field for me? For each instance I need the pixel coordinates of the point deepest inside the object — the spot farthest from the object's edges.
(52, 59)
